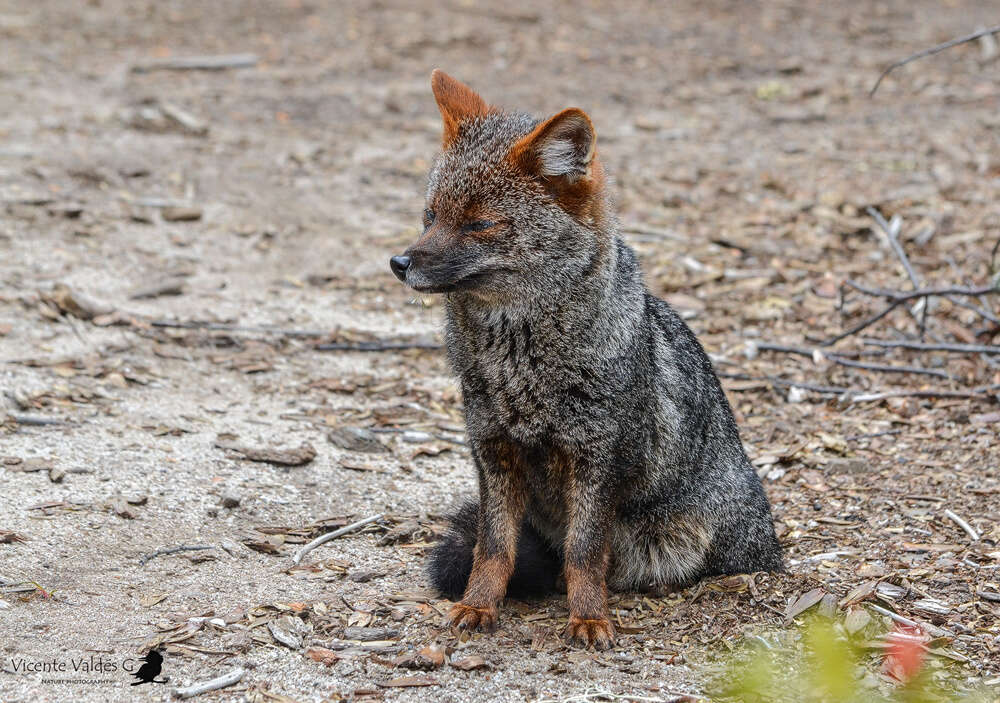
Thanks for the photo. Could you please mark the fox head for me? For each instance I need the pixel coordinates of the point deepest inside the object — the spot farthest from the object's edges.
(515, 206)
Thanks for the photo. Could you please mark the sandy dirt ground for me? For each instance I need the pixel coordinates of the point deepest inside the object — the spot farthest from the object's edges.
(744, 150)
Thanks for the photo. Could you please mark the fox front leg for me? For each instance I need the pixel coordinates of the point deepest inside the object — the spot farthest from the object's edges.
(502, 497)
(587, 559)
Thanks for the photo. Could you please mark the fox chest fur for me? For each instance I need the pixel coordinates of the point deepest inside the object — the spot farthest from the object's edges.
(550, 388)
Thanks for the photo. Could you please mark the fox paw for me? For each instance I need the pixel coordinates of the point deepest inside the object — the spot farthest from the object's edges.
(467, 617)
(584, 633)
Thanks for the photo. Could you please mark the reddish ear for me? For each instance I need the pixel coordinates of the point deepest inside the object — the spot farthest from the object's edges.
(457, 102)
(562, 146)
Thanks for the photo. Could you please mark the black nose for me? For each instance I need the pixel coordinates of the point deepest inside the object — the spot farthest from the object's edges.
(399, 264)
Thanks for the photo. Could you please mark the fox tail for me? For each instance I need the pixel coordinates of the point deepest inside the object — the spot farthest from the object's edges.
(537, 567)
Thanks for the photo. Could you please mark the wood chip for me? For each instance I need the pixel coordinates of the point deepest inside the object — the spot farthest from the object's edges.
(323, 655)
(803, 603)
(471, 663)
(408, 681)
(427, 659)
(370, 634)
(269, 455)
(181, 213)
(8, 537)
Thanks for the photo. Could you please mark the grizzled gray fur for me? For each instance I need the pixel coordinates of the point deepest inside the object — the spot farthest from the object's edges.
(603, 442)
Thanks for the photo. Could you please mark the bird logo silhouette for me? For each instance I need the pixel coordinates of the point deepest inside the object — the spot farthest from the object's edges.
(148, 672)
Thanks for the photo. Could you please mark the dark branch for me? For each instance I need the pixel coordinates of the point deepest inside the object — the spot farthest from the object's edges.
(376, 346)
(840, 358)
(902, 297)
(863, 324)
(889, 369)
(893, 235)
(225, 327)
(924, 346)
(173, 550)
(931, 51)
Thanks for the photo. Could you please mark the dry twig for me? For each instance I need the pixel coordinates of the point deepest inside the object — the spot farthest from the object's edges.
(174, 550)
(215, 684)
(376, 346)
(933, 50)
(851, 395)
(839, 358)
(31, 420)
(983, 392)
(897, 298)
(198, 63)
(597, 695)
(864, 324)
(927, 346)
(902, 297)
(323, 539)
(226, 327)
(973, 535)
(886, 368)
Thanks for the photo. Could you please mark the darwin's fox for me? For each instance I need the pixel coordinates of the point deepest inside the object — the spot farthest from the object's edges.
(605, 449)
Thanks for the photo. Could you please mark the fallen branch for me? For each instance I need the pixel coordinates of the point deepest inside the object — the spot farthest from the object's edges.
(896, 617)
(862, 325)
(838, 358)
(198, 63)
(982, 308)
(323, 539)
(973, 535)
(904, 296)
(928, 346)
(931, 51)
(173, 550)
(376, 346)
(823, 390)
(871, 435)
(897, 298)
(982, 392)
(810, 352)
(215, 684)
(891, 230)
(35, 421)
(225, 327)
(853, 396)
(892, 233)
(886, 368)
(596, 695)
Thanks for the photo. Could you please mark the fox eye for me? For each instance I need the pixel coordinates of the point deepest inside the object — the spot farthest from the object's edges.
(478, 226)
(428, 218)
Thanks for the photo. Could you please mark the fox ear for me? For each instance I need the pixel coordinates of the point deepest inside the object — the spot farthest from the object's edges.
(561, 146)
(457, 102)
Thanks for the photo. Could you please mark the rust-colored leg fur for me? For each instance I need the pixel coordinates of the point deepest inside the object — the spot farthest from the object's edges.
(502, 502)
(587, 560)
(588, 606)
(487, 585)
